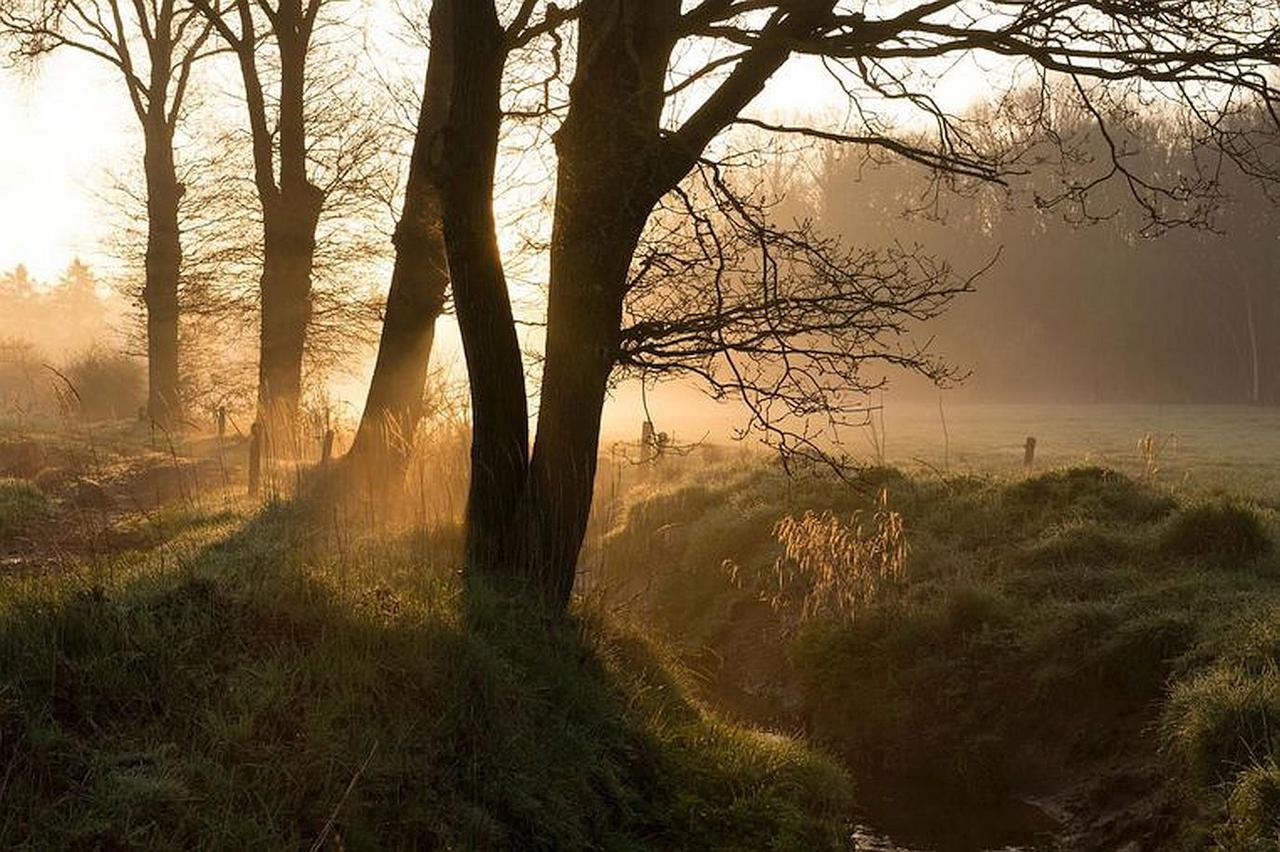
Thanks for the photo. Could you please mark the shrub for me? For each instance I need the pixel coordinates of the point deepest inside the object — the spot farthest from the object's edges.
(21, 505)
(1222, 529)
(107, 385)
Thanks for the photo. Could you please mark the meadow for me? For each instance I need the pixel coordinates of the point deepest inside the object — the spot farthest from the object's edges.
(946, 652)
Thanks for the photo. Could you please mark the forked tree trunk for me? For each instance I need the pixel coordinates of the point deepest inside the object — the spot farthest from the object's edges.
(162, 270)
(615, 163)
(608, 151)
(416, 299)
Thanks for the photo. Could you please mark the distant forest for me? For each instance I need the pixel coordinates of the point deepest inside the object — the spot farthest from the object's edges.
(1087, 301)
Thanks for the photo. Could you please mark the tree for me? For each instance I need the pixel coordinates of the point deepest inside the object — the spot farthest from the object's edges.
(419, 281)
(291, 203)
(621, 151)
(154, 47)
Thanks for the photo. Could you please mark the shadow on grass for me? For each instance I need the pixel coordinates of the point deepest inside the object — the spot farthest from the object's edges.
(262, 694)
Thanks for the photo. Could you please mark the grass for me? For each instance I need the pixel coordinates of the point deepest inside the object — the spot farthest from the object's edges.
(244, 686)
(21, 506)
(1103, 644)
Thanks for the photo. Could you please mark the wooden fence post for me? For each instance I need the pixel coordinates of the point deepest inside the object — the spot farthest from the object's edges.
(647, 443)
(255, 458)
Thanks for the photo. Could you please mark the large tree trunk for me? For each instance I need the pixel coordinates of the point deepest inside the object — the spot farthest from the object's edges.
(162, 269)
(416, 299)
(583, 319)
(608, 151)
(462, 168)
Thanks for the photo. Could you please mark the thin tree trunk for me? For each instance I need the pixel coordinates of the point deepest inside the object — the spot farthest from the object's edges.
(416, 299)
(290, 216)
(288, 252)
(162, 269)
(462, 169)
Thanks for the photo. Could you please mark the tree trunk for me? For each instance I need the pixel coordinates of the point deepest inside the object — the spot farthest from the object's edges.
(288, 251)
(416, 299)
(583, 320)
(609, 151)
(462, 169)
(290, 215)
(162, 269)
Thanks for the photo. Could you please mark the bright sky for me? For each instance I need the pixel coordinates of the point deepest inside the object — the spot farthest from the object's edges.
(62, 132)
(66, 129)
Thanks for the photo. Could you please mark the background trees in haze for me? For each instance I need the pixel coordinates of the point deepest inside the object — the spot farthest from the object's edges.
(1088, 304)
(315, 149)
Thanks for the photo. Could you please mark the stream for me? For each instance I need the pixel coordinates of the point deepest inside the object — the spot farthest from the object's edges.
(911, 818)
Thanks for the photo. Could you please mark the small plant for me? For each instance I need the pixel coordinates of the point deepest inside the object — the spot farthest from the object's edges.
(1151, 449)
(21, 505)
(830, 568)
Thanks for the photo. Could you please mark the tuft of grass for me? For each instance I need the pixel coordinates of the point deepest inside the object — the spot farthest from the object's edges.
(1221, 530)
(22, 504)
(1253, 810)
(1091, 492)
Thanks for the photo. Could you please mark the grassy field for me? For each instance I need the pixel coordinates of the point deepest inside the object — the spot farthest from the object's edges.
(1197, 447)
(210, 672)
(1077, 656)
(1096, 646)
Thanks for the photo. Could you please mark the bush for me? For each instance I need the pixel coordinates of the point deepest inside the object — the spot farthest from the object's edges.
(1221, 529)
(21, 505)
(108, 385)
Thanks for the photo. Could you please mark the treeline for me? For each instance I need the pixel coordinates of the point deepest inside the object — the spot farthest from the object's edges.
(60, 317)
(1089, 300)
(63, 349)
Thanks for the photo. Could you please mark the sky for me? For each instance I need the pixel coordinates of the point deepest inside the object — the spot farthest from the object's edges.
(66, 130)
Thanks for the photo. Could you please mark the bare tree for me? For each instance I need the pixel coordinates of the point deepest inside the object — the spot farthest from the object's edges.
(291, 203)
(154, 47)
(621, 151)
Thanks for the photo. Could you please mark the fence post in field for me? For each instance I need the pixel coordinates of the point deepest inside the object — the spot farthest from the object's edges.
(647, 444)
(326, 448)
(1029, 453)
(255, 458)
(222, 421)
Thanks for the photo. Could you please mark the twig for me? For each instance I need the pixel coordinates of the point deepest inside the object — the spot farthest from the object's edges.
(333, 817)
